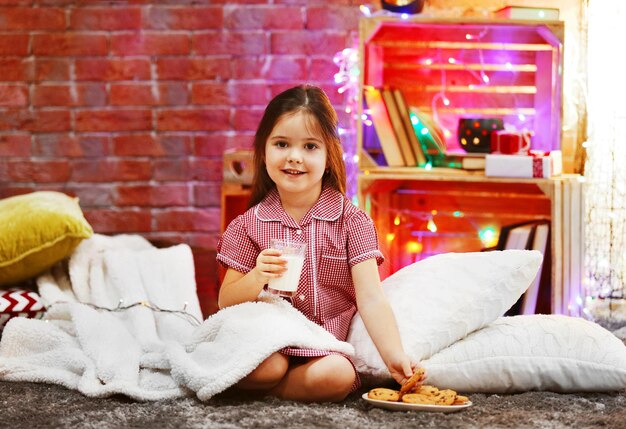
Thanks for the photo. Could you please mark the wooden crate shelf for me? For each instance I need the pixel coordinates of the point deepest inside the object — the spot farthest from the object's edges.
(484, 67)
(481, 202)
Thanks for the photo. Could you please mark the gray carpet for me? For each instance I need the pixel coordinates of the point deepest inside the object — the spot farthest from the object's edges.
(29, 405)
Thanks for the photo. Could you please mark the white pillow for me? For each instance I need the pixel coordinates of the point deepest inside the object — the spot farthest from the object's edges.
(442, 299)
(537, 352)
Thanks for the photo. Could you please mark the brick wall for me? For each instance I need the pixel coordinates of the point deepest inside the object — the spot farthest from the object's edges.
(129, 105)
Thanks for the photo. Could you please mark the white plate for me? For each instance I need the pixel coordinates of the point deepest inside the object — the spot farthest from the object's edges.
(403, 406)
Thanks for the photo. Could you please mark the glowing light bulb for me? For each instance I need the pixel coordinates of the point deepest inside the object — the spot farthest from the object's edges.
(414, 119)
(488, 236)
(485, 78)
(446, 132)
(396, 220)
(431, 225)
(390, 236)
(457, 213)
(433, 212)
(424, 131)
(509, 66)
(414, 247)
(428, 61)
(365, 10)
(428, 166)
(404, 16)
(451, 60)
(446, 101)
(468, 36)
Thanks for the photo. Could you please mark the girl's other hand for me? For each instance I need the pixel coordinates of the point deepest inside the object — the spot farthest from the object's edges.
(269, 265)
(402, 369)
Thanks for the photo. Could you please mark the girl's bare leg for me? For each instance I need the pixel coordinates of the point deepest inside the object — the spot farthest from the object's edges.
(324, 379)
(267, 375)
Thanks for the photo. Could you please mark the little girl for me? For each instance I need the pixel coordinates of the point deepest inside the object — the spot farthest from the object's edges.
(298, 193)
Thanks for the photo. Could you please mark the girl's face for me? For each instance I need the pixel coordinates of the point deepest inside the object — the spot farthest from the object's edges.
(295, 156)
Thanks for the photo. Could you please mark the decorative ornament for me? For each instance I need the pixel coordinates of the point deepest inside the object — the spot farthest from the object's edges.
(474, 134)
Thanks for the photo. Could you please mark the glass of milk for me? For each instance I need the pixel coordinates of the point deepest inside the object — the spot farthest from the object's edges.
(294, 253)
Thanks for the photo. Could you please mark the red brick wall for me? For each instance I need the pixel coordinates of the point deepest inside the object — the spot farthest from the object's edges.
(129, 105)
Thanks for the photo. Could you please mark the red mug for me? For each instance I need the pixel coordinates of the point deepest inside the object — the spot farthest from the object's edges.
(510, 142)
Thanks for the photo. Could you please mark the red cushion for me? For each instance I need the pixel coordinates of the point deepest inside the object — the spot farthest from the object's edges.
(19, 302)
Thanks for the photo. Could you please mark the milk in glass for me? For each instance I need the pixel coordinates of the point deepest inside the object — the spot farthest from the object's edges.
(294, 253)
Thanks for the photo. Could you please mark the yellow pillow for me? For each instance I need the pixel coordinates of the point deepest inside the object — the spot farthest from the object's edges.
(38, 230)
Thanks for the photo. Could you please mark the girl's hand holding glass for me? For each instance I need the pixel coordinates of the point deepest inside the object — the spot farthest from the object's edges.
(269, 265)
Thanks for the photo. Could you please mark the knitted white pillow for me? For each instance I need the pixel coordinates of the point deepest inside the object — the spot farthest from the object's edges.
(537, 352)
(441, 299)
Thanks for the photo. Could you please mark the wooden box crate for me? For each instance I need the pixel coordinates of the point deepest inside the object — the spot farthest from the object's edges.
(451, 69)
(238, 170)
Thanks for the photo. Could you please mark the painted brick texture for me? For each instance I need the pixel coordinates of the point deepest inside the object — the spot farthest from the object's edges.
(130, 106)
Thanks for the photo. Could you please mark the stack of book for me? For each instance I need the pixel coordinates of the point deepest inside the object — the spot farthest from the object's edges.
(409, 138)
(530, 235)
(392, 121)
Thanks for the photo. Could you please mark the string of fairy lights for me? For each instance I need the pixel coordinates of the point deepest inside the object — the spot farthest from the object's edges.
(604, 279)
(348, 80)
(122, 307)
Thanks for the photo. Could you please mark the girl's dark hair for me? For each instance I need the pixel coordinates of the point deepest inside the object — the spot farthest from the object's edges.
(311, 100)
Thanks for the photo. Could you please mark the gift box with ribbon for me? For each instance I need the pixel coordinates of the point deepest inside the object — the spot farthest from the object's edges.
(536, 163)
(510, 142)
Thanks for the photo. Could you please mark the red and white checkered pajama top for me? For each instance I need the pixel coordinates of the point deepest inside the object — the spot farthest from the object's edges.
(339, 235)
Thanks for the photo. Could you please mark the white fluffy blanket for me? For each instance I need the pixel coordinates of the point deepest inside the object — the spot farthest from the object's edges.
(141, 352)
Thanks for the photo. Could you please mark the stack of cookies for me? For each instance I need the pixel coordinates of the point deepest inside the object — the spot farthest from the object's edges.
(413, 392)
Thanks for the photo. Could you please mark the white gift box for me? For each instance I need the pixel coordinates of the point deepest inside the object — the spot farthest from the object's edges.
(536, 164)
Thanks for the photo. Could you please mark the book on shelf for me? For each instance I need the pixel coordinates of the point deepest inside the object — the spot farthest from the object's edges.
(530, 235)
(383, 126)
(463, 160)
(524, 12)
(405, 115)
(398, 127)
(429, 135)
(540, 242)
